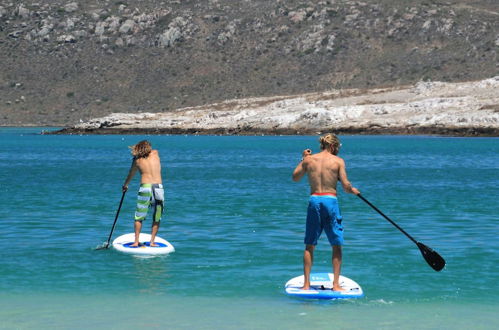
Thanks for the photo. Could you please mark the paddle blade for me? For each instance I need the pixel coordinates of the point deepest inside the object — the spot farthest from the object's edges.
(432, 258)
(105, 245)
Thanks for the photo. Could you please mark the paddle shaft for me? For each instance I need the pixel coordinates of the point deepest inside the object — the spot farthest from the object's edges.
(387, 218)
(115, 219)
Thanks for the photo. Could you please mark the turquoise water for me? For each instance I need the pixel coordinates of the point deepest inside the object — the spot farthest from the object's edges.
(237, 220)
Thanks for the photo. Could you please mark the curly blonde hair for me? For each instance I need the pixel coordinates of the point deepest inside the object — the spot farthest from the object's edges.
(141, 149)
(330, 141)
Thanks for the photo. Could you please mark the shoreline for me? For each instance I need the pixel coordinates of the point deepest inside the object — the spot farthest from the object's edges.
(430, 131)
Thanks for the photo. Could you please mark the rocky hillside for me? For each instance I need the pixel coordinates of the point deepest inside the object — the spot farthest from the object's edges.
(66, 61)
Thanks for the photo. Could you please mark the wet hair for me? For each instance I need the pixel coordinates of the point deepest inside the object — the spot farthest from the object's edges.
(330, 141)
(141, 149)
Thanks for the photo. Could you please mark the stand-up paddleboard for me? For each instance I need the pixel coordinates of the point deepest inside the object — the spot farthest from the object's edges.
(320, 287)
(124, 242)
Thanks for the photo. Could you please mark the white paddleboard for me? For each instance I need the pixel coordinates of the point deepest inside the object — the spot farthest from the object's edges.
(124, 242)
(320, 287)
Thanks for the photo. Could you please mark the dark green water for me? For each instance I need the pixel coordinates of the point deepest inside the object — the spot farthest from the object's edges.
(237, 220)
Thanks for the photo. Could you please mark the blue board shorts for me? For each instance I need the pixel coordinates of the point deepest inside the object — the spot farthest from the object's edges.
(323, 214)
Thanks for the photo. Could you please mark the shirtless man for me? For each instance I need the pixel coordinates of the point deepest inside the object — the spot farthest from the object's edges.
(324, 170)
(151, 193)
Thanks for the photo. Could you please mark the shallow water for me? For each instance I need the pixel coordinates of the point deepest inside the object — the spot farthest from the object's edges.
(236, 220)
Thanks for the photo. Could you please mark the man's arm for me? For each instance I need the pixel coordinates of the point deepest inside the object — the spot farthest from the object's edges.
(131, 173)
(301, 168)
(347, 186)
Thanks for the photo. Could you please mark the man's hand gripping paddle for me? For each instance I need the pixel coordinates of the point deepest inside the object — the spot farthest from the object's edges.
(106, 245)
(432, 257)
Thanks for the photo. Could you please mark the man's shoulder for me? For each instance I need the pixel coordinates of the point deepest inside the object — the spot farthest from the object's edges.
(338, 159)
(330, 156)
(312, 158)
(335, 161)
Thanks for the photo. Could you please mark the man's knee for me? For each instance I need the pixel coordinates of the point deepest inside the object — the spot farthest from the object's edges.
(310, 247)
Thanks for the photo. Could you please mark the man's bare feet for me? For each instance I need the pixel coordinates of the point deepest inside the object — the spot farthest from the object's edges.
(338, 288)
(136, 244)
(153, 244)
(305, 288)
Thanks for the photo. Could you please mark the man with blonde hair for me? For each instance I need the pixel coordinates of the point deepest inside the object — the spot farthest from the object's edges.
(151, 193)
(324, 170)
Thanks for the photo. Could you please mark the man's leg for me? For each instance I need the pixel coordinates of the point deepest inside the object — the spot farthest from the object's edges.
(308, 259)
(156, 218)
(143, 203)
(137, 226)
(154, 231)
(337, 258)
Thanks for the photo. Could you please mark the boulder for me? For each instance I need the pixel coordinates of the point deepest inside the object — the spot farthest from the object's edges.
(169, 37)
(71, 7)
(127, 26)
(23, 11)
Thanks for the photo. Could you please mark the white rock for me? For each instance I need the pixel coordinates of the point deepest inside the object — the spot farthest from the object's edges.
(169, 37)
(71, 7)
(127, 26)
(119, 42)
(427, 24)
(66, 38)
(95, 15)
(45, 30)
(100, 28)
(330, 43)
(297, 16)
(69, 24)
(23, 11)
(80, 34)
(113, 23)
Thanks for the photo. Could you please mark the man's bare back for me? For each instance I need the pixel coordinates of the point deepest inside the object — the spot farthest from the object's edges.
(150, 168)
(324, 170)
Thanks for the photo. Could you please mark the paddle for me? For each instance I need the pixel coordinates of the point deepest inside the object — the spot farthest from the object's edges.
(106, 245)
(432, 257)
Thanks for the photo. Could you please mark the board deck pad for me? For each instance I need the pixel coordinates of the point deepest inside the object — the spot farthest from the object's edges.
(124, 244)
(320, 287)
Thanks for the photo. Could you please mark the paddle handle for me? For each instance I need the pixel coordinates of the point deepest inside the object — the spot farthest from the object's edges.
(115, 218)
(387, 218)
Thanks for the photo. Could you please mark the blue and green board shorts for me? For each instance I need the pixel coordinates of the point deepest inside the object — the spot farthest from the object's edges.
(150, 196)
(323, 214)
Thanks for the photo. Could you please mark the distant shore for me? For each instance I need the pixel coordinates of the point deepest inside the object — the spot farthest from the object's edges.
(426, 108)
(439, 131)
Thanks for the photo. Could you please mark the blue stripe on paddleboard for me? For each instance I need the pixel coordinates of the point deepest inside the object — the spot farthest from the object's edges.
(147, 244)
(324, 294)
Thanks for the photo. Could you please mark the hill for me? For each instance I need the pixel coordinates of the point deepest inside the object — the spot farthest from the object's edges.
(65, 61)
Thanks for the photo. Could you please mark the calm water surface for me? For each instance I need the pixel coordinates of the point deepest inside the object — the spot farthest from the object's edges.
(237, 220)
